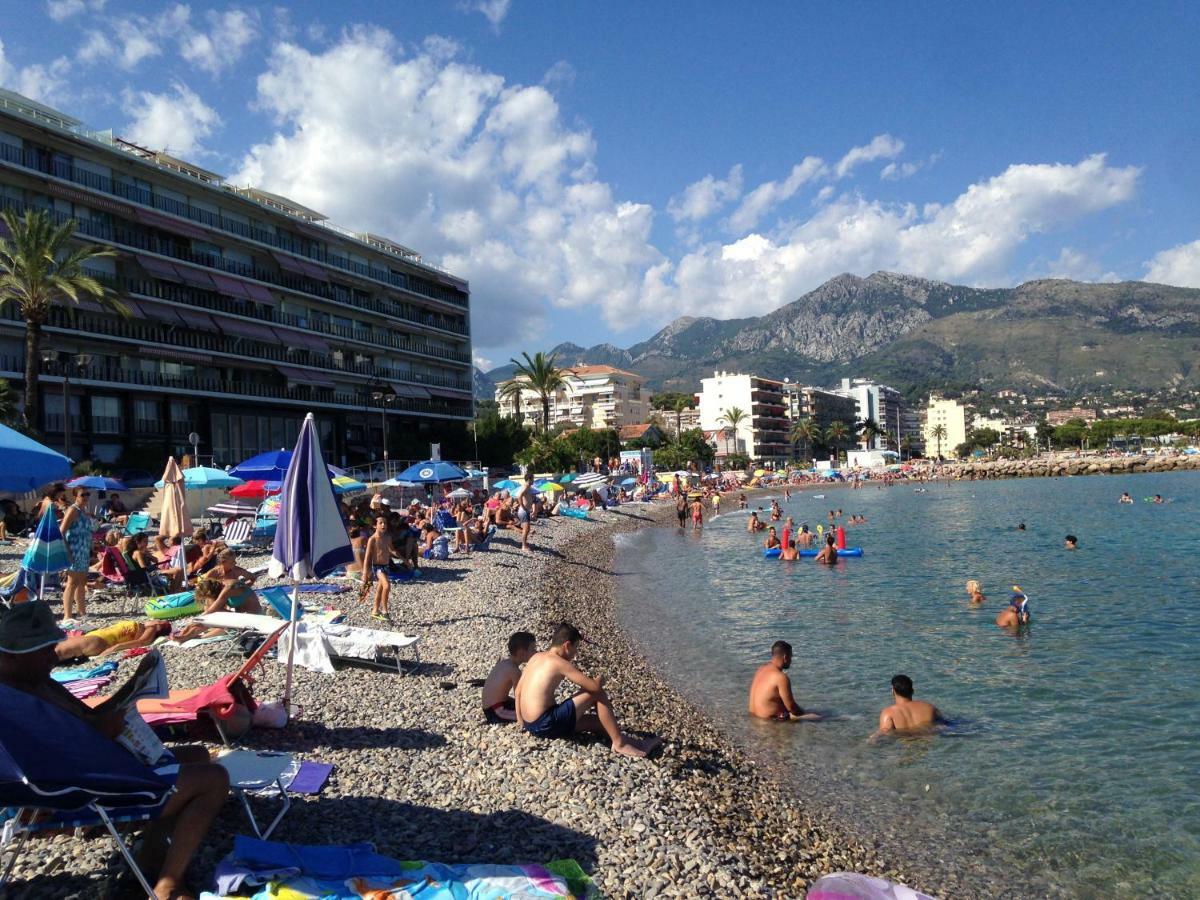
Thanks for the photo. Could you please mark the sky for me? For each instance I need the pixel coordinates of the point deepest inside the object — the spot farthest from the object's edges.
(598, 169)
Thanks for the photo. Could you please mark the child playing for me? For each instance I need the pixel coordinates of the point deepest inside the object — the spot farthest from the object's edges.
(498, 704)
(377, 561)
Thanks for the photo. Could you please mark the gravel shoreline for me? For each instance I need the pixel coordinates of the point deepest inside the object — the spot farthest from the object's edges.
(419, 773)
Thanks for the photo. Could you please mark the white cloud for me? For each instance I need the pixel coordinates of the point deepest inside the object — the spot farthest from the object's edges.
(39, 81)
(1179, 266)
(221, 46)
(493, 10)
(771, 193)
(561, 73)
(482, 363)
(176, 122)
(61, 10)
(702, 198)
(480, 175)
(971, 239)
(897, 171)
(882, 146)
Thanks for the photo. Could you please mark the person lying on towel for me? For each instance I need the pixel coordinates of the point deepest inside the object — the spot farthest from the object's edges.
(115, 638)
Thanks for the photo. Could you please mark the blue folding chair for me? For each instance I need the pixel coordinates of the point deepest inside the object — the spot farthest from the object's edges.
(57, 772)
(137, 523)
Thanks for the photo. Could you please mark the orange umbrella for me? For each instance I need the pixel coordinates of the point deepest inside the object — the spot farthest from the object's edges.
(175, 521)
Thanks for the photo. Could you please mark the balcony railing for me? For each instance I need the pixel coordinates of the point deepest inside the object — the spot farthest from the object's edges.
(106, 424)
(13, 368)
(176, 336)
(30, 159)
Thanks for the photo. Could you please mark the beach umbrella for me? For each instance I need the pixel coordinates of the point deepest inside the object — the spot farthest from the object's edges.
(47, 552)
(175, 521)
(233, 508)
(459, 494)
(256, 489)
(506, 485)
(97, 483)
(588, 480)
(344, 484)
(200, 477)
(568, 478)
(550, 487)
(432, 471)
(26, 465)
(310, 540)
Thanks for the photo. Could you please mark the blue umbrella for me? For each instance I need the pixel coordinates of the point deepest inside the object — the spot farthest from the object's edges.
(205, 477)
(430, 472)
(47, 552)
(97, 483)
(26, 465)
(628, 481)
(310, 539)
(270, 466)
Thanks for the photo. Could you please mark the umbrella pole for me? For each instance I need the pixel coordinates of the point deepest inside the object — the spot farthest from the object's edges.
(291, 626)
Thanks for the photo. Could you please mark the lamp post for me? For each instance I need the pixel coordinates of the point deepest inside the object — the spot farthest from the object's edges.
(65, 359)
(384, 398)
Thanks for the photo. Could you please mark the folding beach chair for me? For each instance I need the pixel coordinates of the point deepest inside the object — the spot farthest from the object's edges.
(137, 523)
(57, 772)
(238, 534)
(17, 588)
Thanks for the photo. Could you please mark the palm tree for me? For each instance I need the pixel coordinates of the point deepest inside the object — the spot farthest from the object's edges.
(682, 402)
(836, 434)
(37, 271)
(544, 377)
(939, 435)
(868, 430)
(808, 431)
(512, 390)
(906, 445)
(733, 417)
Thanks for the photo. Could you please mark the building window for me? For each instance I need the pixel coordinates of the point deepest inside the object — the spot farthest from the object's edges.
(106, 415)
(145, 414)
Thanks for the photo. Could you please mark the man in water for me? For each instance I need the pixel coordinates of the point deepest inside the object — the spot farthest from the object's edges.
(772, 541)
(771, 690)
(804, 538)
(906, 715)
(828, 554)
(1071, 542)
(753, 525)
(1017, 611)
(789, 551)
(1125, 498)
(681, 509)
(716, 504)
(525, 497)
(1159, 499)
(697, 514)
(538, 714)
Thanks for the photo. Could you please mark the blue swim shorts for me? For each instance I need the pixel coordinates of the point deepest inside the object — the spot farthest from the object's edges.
(557, 721)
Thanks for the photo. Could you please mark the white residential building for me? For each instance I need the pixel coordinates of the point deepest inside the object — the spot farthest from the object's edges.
(762, 434)
(951, 416)
(592, 397)
(879, 403)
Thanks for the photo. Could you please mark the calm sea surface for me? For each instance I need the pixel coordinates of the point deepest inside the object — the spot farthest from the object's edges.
(1074, 760)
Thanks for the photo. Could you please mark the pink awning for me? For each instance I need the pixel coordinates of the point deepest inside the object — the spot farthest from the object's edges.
(158, 267)
(197, 277)
(242, 328)
(196, 319)
(260, 294)
(153, 310)
(230, 285)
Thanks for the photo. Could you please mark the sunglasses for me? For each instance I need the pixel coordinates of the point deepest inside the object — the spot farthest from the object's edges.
(85, 496)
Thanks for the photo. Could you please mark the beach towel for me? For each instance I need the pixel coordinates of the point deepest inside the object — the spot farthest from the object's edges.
(356, 872)
(322, 588)
(64, 676)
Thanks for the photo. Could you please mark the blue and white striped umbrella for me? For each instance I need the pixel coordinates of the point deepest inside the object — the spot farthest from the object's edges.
(310, 539)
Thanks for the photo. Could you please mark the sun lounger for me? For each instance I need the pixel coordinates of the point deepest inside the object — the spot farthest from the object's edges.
(53, 762)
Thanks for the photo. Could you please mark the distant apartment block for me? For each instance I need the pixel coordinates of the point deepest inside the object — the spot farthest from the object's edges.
(951, 417)
(248, 310)
(879, 403)
(1062, 416)
(821, 407)
(762, 434)
(593, 397)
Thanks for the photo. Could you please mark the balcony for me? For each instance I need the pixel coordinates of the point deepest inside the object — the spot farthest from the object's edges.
(46, 165)
(106, 424)
(12, 367)
(150, 332)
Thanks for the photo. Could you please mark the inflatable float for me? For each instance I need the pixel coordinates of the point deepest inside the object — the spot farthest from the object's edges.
(174, 606)
(573, 512)
(774, 552)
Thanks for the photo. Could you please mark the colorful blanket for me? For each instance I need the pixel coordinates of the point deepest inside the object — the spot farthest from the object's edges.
(265, 870)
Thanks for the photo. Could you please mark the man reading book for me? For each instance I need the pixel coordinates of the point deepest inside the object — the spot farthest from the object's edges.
(28, 635)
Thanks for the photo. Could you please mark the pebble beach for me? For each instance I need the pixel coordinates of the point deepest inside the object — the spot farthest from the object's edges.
(418, 772)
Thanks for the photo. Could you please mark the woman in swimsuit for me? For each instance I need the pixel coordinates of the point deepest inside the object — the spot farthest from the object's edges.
(114, 638)
(237, 592)
(138, 557)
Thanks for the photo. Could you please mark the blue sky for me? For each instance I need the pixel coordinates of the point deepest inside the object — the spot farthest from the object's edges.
(599, 169)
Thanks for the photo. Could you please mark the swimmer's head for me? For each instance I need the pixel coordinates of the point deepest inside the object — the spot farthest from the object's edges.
(902, 686)
(781, 651)
(1071, 540)
(973, 587)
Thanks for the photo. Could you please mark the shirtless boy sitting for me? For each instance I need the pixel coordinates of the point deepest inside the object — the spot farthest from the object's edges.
(498, 704)
(906, 714)
(540, 716)
(771, 690)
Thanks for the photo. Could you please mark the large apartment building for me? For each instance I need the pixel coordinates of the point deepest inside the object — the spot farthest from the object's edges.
(248, 310)
(946, 423)
(879, 403)
(821, 407)
(592, 397)
(762, 433)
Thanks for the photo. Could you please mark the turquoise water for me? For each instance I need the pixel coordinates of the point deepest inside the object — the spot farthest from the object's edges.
(1074, 763)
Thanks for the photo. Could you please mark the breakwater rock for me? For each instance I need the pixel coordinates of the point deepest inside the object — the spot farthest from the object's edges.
(1050, 466)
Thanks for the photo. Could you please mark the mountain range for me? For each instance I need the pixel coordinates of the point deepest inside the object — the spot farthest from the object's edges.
(1048, 336)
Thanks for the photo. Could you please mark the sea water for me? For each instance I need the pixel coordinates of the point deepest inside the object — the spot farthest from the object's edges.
(1073, 763)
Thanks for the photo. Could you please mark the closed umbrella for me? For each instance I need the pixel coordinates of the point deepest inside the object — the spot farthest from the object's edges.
(47, 552)
(175, 521)
(310, 539)
(26, 465)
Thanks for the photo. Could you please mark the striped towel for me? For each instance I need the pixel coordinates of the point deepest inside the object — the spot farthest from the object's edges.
(87, 687)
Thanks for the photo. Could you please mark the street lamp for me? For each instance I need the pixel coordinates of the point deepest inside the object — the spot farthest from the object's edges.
(65, 359)
(384, 398)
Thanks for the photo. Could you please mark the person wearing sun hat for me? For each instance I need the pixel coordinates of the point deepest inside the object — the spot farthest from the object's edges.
(28, 635)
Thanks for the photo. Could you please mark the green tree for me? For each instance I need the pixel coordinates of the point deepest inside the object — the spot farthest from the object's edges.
(939, 435)
(676, 402)
(868, 429)
(1043, 431)
(690, 447)
(1071, 433)
(512, 390)
(836, 434)
(806, 432)
(732, 417)
(8, 403)
(500, 439)
(38, 271)
(544, 378)
(547, 453)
